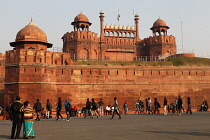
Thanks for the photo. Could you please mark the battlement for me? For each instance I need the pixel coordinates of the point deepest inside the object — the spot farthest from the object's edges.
(160, 39)
(75, 35)
(132, 71)
(38, 56)
(120, 41)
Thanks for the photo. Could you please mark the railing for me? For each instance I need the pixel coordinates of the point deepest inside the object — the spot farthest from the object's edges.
(55, 49)
(120, 58)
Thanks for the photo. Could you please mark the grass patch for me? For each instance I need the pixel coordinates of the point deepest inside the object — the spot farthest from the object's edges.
(189, 61)
(123, 63)
(175, 61)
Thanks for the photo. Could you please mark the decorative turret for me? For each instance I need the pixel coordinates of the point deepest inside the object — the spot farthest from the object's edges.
(159, 27)
(31, 35)
(81, 22)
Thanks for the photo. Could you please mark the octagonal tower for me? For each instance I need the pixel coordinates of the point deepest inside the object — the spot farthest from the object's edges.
(81, 43)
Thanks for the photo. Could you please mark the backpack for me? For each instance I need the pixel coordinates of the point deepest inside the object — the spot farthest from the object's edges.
(95, 106)
(158, 104)
(69, 106)
(16, 107)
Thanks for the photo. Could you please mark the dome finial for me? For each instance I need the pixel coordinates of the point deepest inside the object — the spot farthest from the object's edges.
(101, 12)
(31, 23)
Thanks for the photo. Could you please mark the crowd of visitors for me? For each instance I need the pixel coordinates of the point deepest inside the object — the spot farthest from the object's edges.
(24, 114)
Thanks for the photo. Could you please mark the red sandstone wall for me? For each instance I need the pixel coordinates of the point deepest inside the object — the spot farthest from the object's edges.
(130, 84)
(127, 83)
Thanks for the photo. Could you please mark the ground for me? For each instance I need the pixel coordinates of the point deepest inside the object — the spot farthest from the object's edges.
(130, 127)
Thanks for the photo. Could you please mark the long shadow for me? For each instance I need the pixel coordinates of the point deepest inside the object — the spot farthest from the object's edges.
(182, 133)
(4, 136)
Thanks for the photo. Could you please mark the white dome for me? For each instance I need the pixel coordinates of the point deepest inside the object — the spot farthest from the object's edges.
(132, 28)
(111, 26)
(115, 27)
(101, 12)
(124, 27)
(119, 27)
(128, 27)
(107, 26)
(137, 15)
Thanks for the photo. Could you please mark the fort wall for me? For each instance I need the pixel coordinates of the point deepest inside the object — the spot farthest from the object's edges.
(127, 83)
(131, 84)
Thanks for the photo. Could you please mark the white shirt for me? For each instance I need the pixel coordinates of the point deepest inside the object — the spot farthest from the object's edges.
(108, 108)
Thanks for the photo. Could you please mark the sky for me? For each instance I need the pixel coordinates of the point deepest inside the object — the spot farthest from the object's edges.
(54, 17)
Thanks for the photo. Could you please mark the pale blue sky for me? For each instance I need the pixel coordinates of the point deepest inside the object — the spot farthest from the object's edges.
(54, 17)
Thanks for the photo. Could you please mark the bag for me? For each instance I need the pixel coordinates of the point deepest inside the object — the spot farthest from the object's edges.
(95, 107)
(159, 105)
(69, 106)
(16, 108)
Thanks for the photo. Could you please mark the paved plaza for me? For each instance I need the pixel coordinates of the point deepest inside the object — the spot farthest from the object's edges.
(130, 127)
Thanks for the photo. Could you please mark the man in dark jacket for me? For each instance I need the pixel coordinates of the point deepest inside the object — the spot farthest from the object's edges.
(38, 109)
(179, 104)
(58, 109)
(88, 107)
(16, 118)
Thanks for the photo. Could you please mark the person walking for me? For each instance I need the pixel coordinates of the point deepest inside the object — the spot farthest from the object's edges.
(48, 109)
(146, 104)
(149, 102)
(125, 106)
(28, 130)
(141, 104)
(94, 108)
(116, 109)
(58, 109)
(101, 108)
(137, 106)
(88, 108)
(9, 112)
(38, 109)
(179, 105)
(189, 105)
(175, 106)
(16, 118)
(165, 105)
(68, 107)
(157, 106)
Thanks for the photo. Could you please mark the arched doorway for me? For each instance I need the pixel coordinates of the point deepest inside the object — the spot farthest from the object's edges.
(94, 55)
(84, 54)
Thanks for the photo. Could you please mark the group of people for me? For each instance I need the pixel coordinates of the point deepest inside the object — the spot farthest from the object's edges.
(96, 109)
(21, 113)
(70, 111)
(153, 108)
(24, 114)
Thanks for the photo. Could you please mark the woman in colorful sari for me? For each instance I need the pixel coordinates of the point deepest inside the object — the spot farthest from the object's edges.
(28, 131)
